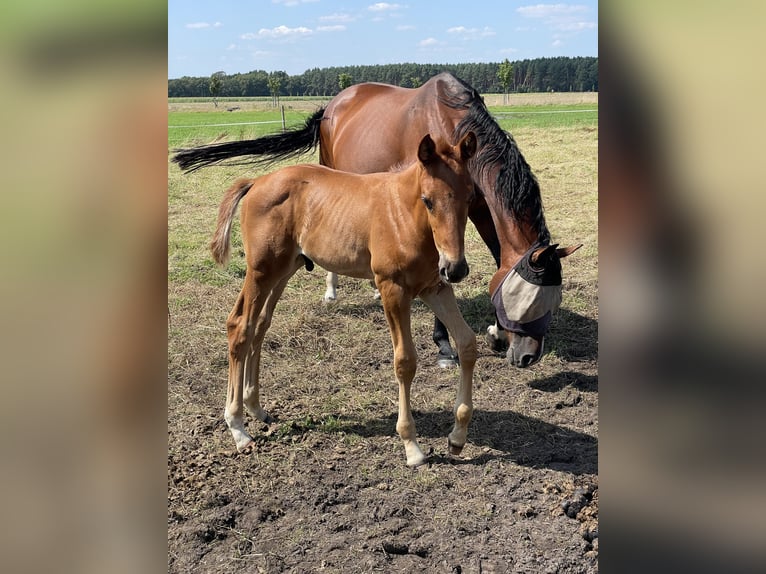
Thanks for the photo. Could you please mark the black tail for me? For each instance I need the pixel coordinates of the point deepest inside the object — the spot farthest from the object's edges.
(267, 150)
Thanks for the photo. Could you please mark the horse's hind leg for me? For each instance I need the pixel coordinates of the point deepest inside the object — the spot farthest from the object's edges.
(397, 308)
(240, 327)
(442, 301)
(251, 395)
(331, 282)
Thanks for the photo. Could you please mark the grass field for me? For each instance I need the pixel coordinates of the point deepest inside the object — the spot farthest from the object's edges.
(327, 485)
(195, 121)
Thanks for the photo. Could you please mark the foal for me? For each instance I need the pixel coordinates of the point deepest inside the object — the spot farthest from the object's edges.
(403, 229)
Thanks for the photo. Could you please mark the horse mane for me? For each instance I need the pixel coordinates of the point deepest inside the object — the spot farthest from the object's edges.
(515, 186)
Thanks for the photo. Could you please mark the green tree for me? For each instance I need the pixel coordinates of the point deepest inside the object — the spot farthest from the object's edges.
(505, 75)
(275, 83)
(344, 80)
(216, 81)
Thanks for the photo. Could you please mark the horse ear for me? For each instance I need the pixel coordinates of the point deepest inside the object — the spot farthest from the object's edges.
(427, 149)
(468, 146)
(566, 251)
(540, 256)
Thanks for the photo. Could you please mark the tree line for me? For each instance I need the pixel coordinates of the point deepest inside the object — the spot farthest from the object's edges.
(538, 75)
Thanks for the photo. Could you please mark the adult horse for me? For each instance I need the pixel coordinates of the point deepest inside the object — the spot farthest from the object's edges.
(405, 230)
(371, 127)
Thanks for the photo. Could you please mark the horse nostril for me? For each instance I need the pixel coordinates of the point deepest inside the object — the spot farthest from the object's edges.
(526, 360)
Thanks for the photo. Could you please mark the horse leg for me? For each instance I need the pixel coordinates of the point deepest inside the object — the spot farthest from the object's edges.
(240, 327)
(331, 281)
(442, 301)
(397, 306)
(497, 337)
(447, 356)
(251, 394)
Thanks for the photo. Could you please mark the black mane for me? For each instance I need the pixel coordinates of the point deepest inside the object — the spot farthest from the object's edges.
(515, 186)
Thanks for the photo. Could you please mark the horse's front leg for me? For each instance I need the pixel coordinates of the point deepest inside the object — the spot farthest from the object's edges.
(442, 301)
(397, 305)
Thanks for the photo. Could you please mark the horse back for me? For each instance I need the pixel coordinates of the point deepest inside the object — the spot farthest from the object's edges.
(373, 127)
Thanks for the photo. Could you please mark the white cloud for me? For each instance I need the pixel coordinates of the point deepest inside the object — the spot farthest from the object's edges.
(428, 42)
(571, 18)
(471, 33)
(232, 47)
(334, 28)
(383, 7)
(203, 25)
(550, 10)
(405, 27)
(576, 26)
(337, 17)
(280, 32)
(291, 3)
(557, 43)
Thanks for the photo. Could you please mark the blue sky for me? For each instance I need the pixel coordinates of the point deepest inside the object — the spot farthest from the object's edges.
(205, 36)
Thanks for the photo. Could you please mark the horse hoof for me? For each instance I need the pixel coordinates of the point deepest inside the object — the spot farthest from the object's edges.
(247, 448)
(447, 361)
(417, 463)
(454, 449)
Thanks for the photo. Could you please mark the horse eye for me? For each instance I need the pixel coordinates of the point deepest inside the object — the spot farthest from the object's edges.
(428, 203)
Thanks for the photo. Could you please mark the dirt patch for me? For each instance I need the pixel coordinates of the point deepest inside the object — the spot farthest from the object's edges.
(327, 488)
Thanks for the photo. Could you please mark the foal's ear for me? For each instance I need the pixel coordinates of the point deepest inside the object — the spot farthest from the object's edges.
(467, 146)
(427, 149)
(566, 251)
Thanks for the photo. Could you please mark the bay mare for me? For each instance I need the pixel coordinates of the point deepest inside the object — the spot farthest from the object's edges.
(371, 127)
(405, 230)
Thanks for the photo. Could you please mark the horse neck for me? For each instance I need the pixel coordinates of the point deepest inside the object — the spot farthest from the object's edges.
(516, 233)
(408, 184)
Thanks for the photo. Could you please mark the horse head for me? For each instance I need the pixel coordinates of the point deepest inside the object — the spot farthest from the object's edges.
(526, 299)
(446, 191)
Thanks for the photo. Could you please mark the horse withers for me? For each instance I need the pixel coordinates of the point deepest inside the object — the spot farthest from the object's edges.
(405, 230)
(371, 127)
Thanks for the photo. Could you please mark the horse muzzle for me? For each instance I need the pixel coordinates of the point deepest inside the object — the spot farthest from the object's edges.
(524, 350)
(452, 271)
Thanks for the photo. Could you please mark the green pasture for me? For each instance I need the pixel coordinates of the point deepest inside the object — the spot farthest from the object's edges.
(206, 123)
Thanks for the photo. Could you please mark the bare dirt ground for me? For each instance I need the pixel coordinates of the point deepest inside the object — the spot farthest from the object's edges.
(327, 489)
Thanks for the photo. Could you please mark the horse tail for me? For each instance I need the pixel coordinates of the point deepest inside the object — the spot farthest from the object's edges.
(267, 149)
(221, 243)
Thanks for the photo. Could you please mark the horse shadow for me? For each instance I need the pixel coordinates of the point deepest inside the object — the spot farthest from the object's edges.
(507, 435)
(572, 336)
(579, 381)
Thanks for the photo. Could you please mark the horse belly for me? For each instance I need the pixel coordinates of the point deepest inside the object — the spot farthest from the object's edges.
(337, 246)
(343, 258)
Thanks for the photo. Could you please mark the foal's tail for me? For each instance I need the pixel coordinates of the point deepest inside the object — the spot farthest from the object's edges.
(268, 149)
(220, 246)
